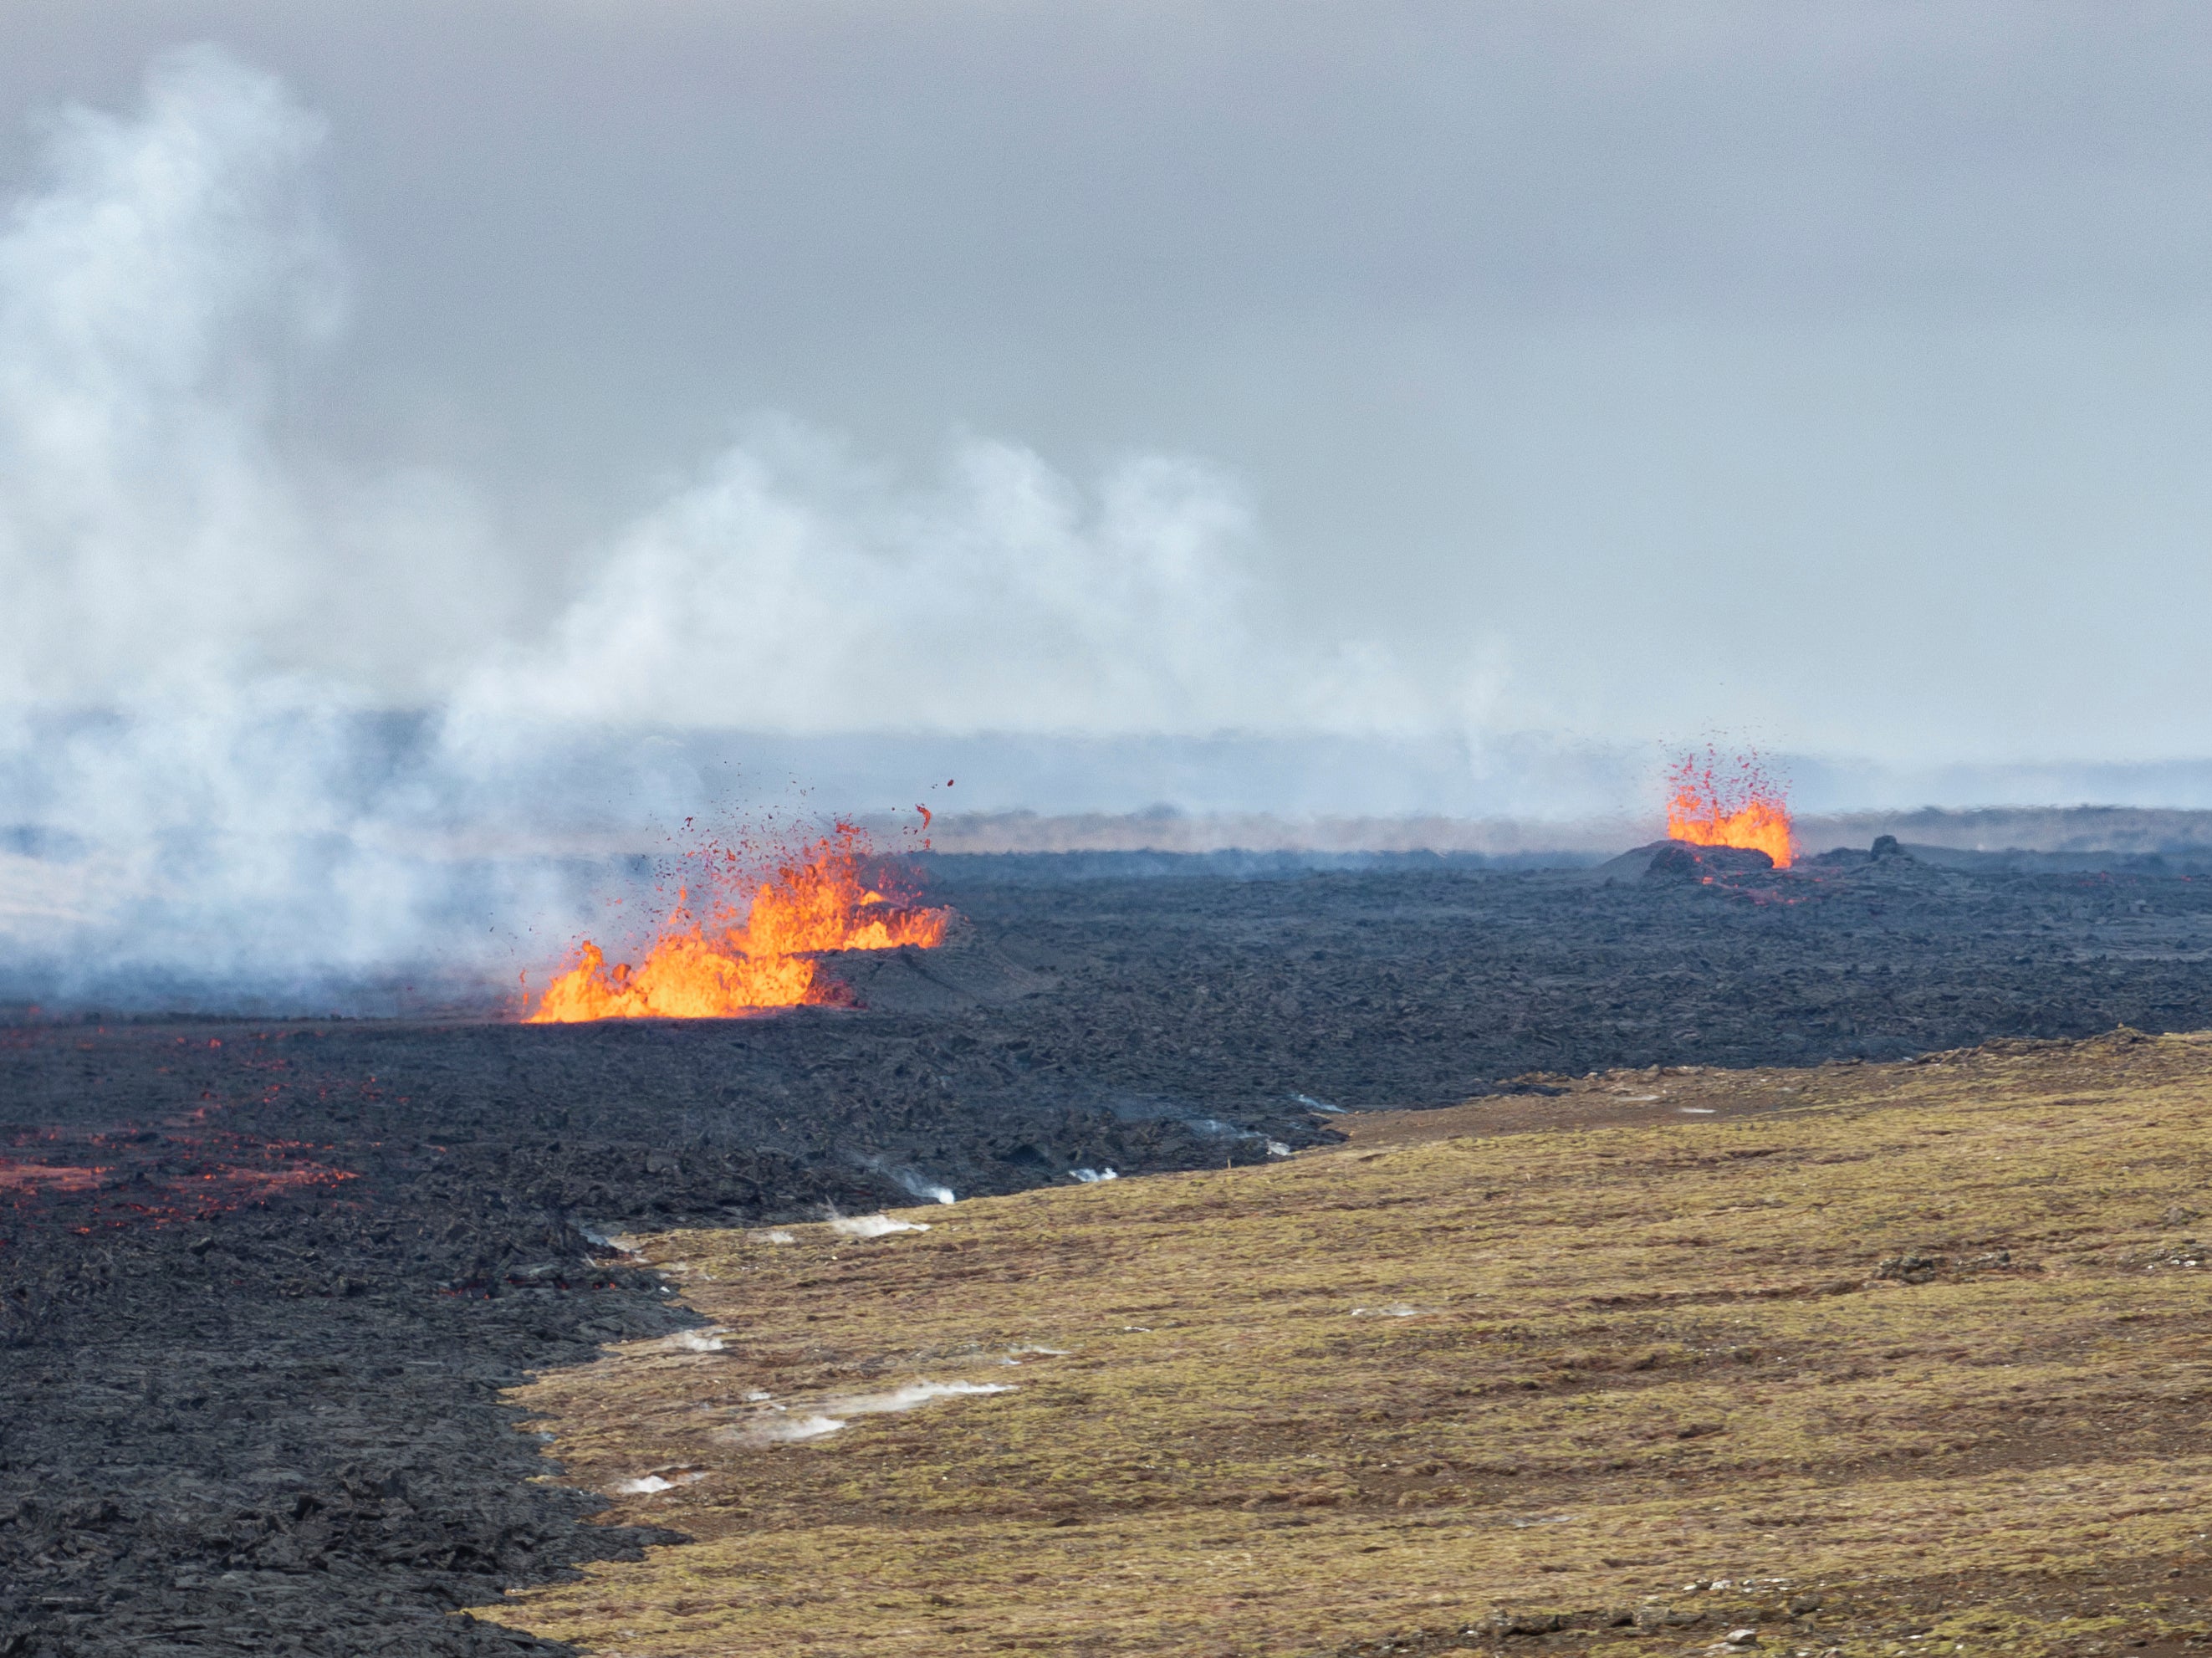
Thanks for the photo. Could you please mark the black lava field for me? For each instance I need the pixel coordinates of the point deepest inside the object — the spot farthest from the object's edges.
(260, 1283)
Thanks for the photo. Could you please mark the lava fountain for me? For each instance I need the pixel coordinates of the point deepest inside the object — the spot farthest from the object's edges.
(1733, 803)
(748, 953)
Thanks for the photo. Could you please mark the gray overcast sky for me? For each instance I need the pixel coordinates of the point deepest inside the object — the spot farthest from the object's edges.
(1835, 375)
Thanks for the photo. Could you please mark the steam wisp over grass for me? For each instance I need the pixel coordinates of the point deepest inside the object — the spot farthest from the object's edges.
(873, 1226)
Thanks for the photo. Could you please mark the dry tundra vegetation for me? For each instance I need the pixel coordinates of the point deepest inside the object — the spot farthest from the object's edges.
(1859, 1359)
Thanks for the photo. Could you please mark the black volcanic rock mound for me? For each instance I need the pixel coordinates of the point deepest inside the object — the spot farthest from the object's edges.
(1886, 850)
(964, 972)
(1677, 860)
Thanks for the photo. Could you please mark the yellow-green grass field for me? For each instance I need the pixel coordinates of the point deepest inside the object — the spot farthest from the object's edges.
(1863, 1359)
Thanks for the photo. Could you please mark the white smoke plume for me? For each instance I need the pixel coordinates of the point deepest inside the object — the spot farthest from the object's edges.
(789, 591)
(143, 532)
(264, 721)
(161, 297)
(923, 1187)
(792, 590)
(184, 786)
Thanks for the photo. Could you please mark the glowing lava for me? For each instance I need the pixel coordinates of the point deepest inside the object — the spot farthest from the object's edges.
(1743, 807)
(741, 960)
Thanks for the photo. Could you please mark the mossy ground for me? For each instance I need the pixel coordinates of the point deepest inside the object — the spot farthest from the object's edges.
(1924, 1343)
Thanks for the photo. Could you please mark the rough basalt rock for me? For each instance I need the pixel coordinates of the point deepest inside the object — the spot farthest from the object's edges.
(240, 1416)
(1679, 860)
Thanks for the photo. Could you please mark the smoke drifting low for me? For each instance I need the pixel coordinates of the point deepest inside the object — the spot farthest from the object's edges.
(208, 630)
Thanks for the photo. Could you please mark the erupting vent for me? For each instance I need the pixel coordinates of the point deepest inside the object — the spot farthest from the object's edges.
(742, 958)
(1712, 802)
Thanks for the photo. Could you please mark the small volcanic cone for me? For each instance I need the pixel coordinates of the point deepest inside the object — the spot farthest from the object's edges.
(1712, 802)
(742, 958)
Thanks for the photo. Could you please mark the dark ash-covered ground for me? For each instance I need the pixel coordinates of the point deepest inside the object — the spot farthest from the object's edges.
(260, 1283)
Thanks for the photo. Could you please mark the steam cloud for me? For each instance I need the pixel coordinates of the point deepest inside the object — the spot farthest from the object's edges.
(276, 732)
(268, 726)
(159, 294)
(788, 590)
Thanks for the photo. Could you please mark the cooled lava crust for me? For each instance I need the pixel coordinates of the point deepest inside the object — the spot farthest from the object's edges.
(260, 1283)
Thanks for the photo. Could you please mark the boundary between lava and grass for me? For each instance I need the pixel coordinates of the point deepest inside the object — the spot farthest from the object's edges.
(1833, 1356)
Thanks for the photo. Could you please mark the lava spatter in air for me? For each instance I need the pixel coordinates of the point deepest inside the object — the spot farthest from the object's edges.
(741, 953)
(1712, 802)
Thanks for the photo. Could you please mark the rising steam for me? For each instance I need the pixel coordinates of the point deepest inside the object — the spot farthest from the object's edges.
(160, 299)
(263, 725)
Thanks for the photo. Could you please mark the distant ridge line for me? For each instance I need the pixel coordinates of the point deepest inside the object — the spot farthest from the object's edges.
(2138, 830)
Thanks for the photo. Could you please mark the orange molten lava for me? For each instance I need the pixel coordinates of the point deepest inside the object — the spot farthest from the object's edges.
(729, 965)
(1744, 808)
